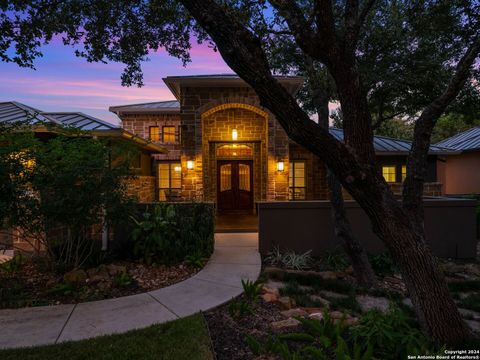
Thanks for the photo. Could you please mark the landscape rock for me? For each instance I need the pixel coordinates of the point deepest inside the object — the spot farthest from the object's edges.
(316, 316)
(329, 275)
(473, 269)
(285, 303)
(290, 323)
(116, 269)
(407, 302)
(469, 314)
(274, 284)
(75, 276)
(313, 310)
(297, 312)
(351, 321)
(98, 275)
(337, 315)
(333, 295)
(270, 290)
(269, 297)
(320, 299)
(474, 325)
(370, 302)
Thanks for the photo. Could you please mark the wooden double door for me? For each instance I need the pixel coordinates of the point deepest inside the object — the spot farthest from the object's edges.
(234, 185)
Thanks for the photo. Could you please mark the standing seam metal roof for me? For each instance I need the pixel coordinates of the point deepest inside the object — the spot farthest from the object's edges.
(465, 141)
(383, 144)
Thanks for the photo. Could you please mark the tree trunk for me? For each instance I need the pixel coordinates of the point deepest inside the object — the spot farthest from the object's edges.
(362, 268)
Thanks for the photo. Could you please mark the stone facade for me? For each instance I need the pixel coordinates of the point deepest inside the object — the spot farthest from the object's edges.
(142, 188)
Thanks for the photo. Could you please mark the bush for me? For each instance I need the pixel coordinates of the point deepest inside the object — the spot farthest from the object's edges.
(169, 233)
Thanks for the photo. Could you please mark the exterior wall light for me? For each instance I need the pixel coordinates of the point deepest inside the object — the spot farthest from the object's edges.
(280, 166)
(178, 168)
(190, 164)
(234, 134)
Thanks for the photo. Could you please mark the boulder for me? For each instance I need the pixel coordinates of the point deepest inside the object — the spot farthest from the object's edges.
(75, 276)
(320, 299)
(469, 314)
(269, 297)
(474, 325)
(316, 316)
(270, 290)
(287, 324)
(333, 295)
(336, 315)
(313, 310)
(285, 303)
(370, 302)
(351, 321)
(297, 312)
(473, 269)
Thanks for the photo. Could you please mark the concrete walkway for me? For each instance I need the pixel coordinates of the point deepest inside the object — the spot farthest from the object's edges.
(235, 257)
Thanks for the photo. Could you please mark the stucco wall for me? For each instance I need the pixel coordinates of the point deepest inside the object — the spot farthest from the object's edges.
(461, 173)
(300, 226)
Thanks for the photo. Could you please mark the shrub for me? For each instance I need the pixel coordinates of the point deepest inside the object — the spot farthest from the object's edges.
(383, 264)
(169, 233)
(336, 260)
(290, 259)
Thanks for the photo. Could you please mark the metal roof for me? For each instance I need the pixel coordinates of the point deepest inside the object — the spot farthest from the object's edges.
(386, 145)
(465, 141)
(80, 121)
(157, 106)
(14, 112)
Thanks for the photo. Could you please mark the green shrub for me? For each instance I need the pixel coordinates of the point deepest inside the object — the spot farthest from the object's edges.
(168, 233)
(336, 260)
(251, 290)
(383, 264)
(121, 280)
(196, 260)
(238, 308)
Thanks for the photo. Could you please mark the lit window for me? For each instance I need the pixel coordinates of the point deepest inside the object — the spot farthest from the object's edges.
(389, 173)
(169, 180)
(404, 172)
(169, 134)
(296, 180)
(154, 134)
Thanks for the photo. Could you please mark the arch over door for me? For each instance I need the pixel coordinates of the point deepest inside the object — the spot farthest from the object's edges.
(235, 185)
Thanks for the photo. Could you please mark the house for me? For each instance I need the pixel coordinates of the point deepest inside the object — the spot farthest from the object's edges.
(459, 172)
(223, 146)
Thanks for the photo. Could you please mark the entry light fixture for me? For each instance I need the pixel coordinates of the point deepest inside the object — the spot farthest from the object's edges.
(280, 166)
(178, 168)
(234, 134)
(190, 164)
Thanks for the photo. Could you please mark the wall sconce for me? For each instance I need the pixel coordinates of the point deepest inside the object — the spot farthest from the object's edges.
(234, 134)
(178, 168)
(280, 166)
(190, 164)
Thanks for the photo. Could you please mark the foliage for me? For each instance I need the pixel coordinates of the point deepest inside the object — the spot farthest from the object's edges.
(169, 233)
(61, 189)
(238, 308)
(391, 335)
(251, 290)
(121, 280)
(452, 124)
(383, 264)
(336, 260)
(196, 260)
(186, 338)
(13, 265)
(290, 259)
(64, 288)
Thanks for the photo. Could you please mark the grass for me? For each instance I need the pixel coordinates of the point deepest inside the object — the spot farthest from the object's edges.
(186, 338)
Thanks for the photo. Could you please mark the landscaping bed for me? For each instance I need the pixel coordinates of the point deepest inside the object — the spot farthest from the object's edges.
(32, 284)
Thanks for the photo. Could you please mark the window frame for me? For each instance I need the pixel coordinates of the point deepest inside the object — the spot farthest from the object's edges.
(170, 134)
(171, 170)
(291, 175)
(150, 133)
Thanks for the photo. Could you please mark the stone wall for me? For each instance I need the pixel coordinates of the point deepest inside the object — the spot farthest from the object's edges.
(142, 188)
(139, 124)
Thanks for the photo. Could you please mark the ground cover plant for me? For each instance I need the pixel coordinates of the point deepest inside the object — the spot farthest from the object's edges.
(181, 339)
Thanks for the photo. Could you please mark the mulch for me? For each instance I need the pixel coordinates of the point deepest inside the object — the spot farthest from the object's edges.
(34, 284)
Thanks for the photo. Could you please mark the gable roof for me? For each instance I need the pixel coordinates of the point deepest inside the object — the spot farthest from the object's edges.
(12, 111)
(389, 146)
(80, 121)
(465, 141)
(169, 106)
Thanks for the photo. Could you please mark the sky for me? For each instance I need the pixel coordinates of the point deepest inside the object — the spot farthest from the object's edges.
(63, 82)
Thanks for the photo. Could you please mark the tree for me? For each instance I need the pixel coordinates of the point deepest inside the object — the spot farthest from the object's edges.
(328, 32)
(58, 190)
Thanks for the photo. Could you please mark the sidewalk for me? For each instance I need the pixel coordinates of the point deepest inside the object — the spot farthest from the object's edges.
(235, 257)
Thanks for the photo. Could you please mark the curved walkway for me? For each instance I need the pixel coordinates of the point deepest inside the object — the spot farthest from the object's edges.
(235, 257)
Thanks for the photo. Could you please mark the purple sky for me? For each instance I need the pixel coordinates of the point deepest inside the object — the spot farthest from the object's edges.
(63, 82)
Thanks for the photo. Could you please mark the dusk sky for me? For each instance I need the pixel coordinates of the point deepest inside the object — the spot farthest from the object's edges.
(63, 82)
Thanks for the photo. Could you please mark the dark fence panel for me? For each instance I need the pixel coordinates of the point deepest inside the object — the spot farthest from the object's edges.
(450, 225)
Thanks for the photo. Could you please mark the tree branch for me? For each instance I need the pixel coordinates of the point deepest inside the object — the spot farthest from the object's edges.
(417, 159)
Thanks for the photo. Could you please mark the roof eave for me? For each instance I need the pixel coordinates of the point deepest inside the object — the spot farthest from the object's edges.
(126, 135)
(120, 112)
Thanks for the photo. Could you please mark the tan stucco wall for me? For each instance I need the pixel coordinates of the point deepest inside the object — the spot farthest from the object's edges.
(462, 175)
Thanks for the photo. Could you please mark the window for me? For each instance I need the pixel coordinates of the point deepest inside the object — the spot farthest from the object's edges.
(404, 172)
(168, 134)
(389, 173)
(154, 133)
(296, 180)
(169, 180)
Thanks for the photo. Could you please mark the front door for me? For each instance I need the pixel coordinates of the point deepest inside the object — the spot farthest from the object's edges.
(234, 185)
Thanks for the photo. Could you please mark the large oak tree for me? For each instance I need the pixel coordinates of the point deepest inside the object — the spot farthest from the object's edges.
(326, 31)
